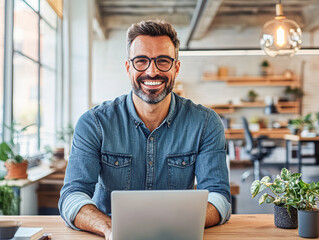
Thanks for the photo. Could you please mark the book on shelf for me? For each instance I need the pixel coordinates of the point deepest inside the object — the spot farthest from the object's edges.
(28, 233)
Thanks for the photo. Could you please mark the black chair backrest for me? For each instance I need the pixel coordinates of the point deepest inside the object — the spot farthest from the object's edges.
(248, 137)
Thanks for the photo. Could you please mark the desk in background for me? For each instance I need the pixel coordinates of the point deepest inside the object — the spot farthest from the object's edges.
(248, 227)
(296, 138)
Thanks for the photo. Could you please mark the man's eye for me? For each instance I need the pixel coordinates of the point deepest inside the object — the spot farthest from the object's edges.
(163, 61)
(141, 61)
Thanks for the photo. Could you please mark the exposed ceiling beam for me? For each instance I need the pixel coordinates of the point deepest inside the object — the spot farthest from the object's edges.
(208, 16)
(200, 6)
(99, 20)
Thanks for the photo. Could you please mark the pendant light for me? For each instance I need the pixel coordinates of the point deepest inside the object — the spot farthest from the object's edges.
(280, 36)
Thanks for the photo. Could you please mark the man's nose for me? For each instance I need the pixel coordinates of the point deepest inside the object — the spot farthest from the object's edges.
(152, 69)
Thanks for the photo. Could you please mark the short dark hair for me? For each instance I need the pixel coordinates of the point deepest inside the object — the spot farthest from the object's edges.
(152, 28)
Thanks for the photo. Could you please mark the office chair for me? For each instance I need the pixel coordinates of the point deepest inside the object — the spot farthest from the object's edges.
(257, 152)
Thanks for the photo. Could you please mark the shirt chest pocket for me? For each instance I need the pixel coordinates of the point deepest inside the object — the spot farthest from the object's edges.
(181, 170)
(116, 171)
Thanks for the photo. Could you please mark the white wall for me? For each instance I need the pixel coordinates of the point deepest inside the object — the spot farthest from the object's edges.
(109, 74)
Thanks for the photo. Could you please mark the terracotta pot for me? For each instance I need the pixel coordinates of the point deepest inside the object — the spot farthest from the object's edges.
(16, 170)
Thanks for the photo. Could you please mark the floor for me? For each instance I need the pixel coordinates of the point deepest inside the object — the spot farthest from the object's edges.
(247, 205)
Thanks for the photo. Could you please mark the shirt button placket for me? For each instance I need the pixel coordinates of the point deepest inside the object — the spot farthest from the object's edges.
(150, 163)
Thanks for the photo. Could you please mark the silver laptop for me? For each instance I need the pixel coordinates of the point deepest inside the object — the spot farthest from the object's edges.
(159, 215)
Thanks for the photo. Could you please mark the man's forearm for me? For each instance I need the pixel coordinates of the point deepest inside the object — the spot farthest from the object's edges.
(212, 216)
(89, 218)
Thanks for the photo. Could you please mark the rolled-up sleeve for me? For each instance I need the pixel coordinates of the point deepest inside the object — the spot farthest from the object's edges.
(211, 168)
(83, 168)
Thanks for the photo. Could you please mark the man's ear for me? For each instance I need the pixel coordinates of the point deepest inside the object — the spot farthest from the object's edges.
(127, 67)
(177, 67)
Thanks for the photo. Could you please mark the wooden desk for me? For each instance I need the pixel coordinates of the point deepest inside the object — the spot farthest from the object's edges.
(299, 140)
(254, 226)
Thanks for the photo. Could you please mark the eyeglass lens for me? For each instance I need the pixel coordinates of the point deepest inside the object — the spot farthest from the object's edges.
(162, 63)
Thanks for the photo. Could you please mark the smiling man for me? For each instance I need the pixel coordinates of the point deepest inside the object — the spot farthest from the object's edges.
(150, 139)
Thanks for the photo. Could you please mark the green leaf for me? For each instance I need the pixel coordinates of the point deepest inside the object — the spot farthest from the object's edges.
(254, 189)
(265, 179)
(312, 186)
(262, 187)
(285, 174)
(263, 198)
(296, 175)
(270, 199)
(303, 185)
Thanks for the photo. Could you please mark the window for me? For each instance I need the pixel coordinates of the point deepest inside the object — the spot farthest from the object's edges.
(1, 61)
(34, 72)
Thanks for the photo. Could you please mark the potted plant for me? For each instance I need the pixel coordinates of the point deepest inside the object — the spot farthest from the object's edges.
(282, 188)
(264, 67)
(9, 203)
(305, 199)
(295, 125)
(64, 137)
(15, 164)
(252, 95)
(303, 125)
(293, 93)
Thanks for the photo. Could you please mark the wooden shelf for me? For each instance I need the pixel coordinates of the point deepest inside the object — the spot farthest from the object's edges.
(288, 107)
(282, 107)
(274, 80)
(273, 133)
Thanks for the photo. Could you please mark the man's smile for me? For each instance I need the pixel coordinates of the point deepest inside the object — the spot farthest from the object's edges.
(152, 83)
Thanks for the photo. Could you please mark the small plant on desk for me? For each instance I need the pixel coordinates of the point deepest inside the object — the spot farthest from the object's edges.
(283, 190)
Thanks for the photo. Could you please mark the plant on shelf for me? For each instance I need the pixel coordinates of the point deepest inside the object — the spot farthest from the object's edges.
(282, 191)
(264, 67)
(303, 125)
(64, 137)
(252, 95)
(293, 93)
(295, 125)
(10, 153)
(9, 203)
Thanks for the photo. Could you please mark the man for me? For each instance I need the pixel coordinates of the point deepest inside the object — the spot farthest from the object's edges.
(150, 139)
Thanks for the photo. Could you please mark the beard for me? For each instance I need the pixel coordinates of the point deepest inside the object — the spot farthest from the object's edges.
(152, 96)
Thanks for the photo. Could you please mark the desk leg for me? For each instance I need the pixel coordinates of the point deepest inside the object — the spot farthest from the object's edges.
(299, 156)
(287, 153)
(233, 204)
(317, 152)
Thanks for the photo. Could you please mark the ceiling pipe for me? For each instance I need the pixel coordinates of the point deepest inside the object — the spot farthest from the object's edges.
(200, 6)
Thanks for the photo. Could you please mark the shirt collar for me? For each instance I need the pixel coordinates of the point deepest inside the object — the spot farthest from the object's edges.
(136, 118)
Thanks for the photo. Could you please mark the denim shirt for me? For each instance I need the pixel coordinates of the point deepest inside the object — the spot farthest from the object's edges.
(112, 149)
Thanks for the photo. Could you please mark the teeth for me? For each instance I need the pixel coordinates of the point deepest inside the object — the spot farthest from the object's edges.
(152, 83)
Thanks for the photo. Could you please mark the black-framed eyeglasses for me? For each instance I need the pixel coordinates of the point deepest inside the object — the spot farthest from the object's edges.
(163, 63)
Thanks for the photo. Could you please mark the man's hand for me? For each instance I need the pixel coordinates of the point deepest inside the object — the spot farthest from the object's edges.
(89, 218)
(212, 216)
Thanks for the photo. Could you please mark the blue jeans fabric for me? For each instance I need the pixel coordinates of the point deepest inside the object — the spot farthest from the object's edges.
(113, 150)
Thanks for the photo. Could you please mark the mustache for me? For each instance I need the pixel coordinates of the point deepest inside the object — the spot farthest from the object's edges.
(148, 77)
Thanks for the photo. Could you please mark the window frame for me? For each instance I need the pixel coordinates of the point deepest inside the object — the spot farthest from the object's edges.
(8, 78)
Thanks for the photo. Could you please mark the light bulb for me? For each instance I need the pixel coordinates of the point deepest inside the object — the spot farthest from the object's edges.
(280, 36)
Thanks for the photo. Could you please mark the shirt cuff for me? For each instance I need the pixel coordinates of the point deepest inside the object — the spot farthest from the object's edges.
(72, 205)
(221, 204)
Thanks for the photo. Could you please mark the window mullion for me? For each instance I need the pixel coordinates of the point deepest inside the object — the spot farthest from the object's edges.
(8, 70)
(39, 80)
